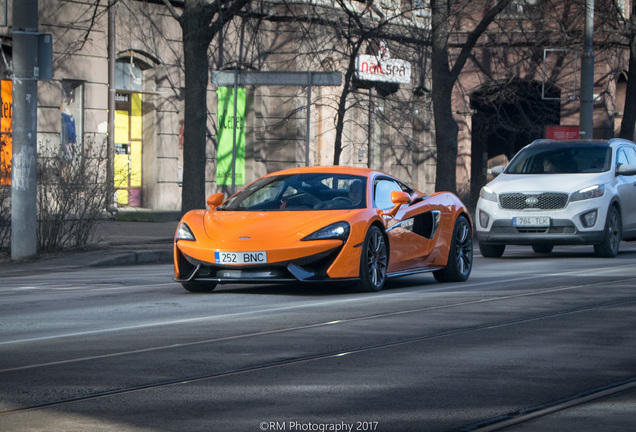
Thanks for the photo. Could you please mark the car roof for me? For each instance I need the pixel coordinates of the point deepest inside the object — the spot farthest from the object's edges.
(334, 169)
(578, 142)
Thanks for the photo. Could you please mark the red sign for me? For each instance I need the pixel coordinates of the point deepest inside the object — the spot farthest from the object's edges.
(562, 132)
(373, 68)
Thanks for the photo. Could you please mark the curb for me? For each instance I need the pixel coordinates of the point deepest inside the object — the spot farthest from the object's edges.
(135, 258)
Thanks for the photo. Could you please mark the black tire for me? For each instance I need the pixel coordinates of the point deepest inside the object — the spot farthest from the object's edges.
(199, 287)
(542, 248)
(491, 250)
(460, 255)
(613, 235)
(374, 261)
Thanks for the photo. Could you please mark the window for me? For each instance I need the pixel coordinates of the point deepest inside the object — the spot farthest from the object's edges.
(561, 158)
(623, 8)
(524, 9)
(72, 129)
(382, 193)
(422, 8)
(128, 76)
(297, 192)
(626, 156)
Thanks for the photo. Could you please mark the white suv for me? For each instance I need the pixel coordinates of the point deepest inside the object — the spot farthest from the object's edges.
(561, 193)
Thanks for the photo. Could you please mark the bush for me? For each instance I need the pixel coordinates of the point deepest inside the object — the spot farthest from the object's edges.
(72, 197)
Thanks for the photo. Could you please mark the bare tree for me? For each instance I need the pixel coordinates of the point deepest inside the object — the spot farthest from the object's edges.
(444, 77)
(629, 113)
(200, 22)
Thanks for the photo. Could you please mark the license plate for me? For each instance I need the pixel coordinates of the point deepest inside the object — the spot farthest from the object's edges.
(531, 221)
(240, 257)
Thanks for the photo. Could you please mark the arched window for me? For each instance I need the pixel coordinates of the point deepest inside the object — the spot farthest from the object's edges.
(621, 90)
(128, 137)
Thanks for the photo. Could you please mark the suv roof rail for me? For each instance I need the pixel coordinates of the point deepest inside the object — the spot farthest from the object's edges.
(620, 140)
(542, 141)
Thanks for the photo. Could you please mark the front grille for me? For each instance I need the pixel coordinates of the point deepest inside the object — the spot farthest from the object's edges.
(540, 201)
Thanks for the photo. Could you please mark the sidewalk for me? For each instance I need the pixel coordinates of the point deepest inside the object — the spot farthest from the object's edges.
(133, 238)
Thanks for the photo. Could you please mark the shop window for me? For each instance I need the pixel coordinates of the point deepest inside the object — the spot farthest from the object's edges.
(72, 120)
(128, 137)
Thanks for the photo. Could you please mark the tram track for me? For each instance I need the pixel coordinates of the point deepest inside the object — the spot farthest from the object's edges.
(186, 379)
(498, 298)
(535, 412)
(303, 339)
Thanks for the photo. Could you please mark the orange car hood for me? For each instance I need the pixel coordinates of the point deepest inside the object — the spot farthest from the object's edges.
(278, 226)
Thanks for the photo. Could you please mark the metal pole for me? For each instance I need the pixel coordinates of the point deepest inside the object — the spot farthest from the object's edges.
(234, 133)
(110, 144)
(25, 119)
(308, 118)
(370, 144)
(587, 74)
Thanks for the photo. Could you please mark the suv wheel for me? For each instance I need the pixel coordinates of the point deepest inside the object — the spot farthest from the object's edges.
(491, 250)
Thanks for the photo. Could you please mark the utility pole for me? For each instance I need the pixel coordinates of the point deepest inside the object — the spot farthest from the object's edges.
(25, 101)
(587, 74)
(112, 62)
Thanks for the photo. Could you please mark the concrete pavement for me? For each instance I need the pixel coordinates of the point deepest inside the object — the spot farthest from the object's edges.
(132, 238)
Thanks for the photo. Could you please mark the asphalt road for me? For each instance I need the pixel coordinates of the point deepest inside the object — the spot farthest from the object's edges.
(126, 349)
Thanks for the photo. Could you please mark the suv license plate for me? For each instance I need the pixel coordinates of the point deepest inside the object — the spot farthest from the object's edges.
(531, 221)
(240, 257)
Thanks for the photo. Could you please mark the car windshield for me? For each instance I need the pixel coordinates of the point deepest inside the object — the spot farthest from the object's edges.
(572, 158)
(298, 192)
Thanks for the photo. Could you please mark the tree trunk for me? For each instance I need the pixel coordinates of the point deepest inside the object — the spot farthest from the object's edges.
(443, 79)
(629, 113)
(446, 128)
(195, 46)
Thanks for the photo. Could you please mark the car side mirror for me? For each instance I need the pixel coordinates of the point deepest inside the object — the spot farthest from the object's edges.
(398, 198)
(215, 200)
(626, 170)
(496, 170)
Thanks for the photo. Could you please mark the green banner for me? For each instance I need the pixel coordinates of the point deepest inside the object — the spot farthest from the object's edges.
(225, 135)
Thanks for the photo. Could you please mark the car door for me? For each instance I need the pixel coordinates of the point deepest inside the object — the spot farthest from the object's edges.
(626, 188)
(407, 244)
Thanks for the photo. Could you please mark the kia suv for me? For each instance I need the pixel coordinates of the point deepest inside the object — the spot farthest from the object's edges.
(561, 193)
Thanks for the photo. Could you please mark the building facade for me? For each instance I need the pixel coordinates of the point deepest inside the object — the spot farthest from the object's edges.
(522, 78)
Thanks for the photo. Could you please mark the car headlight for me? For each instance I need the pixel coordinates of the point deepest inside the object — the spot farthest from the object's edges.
(184, 232)
(488, 194)
(588, 192)
(338, 231)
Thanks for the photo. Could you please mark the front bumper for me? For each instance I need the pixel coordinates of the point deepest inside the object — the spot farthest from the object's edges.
(307, 269)
(560, 232)
(568, 226)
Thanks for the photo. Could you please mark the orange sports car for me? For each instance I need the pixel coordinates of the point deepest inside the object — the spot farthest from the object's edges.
(318, 224)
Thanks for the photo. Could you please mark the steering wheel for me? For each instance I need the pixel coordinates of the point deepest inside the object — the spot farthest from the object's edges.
(343, 200)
